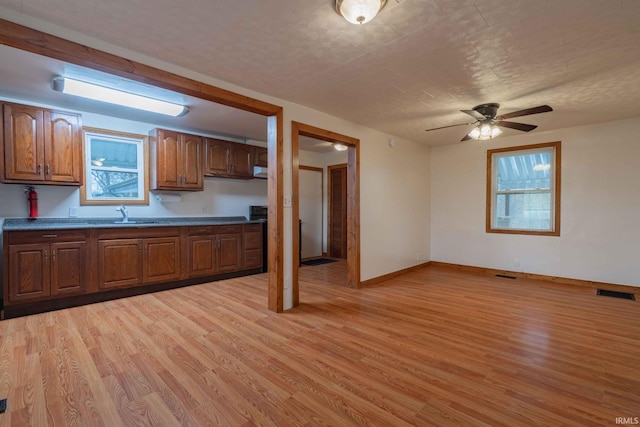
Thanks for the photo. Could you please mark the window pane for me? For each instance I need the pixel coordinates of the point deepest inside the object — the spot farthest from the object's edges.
(110, 184)
(106, 153)
(525, 211)
(524, 171)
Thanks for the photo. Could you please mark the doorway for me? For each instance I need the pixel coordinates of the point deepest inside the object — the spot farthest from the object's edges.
(337, 238)
(311, 212)
(352, 182)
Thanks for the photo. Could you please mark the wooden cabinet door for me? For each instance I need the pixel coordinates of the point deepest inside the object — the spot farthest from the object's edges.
(218, 156)
(168, 160)
(161, 259)
(261, 157)
(62, 147)
(28, 272)
(192, 174)
(229, 252)
(119, 263)
(242, 161)
(201, 256)
(23, 143)
(68, 268)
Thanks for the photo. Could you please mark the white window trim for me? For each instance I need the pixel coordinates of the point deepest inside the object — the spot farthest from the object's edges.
(142, 157)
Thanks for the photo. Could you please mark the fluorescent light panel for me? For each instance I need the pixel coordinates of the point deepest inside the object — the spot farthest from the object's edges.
(114, 96)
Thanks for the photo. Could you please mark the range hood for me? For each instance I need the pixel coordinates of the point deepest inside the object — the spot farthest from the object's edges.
(260, 172)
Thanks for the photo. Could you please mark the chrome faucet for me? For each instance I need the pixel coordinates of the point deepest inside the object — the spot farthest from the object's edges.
(125, 213)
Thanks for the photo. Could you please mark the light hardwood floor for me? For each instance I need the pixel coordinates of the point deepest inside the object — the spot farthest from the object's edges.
(433, 347)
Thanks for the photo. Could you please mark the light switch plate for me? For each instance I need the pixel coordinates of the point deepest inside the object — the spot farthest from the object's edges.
(73, 212)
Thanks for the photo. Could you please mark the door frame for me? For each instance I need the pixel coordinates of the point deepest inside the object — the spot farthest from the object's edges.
(41, 43)
(353, 200)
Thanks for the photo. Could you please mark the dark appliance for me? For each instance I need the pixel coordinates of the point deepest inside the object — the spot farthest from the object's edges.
(260, 213)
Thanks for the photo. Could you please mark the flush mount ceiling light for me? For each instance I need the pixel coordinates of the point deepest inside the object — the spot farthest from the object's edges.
(485, 130)
(340, 147)
(359, 11)
(114, 96)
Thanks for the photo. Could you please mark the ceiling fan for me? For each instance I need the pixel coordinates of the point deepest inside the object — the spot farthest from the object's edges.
(488, 123)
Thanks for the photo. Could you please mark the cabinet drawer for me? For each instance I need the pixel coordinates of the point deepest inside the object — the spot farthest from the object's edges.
(43, 236)
(251, 228)
(228, 229)
(253, 258)
(137, 232)
(252, 240)
(204, 230)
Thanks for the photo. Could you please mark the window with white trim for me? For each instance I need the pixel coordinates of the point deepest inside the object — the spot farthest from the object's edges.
(114, 168)
(523, 190)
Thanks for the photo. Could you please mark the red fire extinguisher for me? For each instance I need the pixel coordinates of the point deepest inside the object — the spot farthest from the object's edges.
(33, 202)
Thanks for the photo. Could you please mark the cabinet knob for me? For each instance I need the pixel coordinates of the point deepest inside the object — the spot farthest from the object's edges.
(48, 170)
(46, 255)
(39, 169)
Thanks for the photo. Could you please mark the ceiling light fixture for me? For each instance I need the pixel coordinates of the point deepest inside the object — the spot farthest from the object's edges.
(340, 147)
(485, 130)
(359, 11)
(118, 97)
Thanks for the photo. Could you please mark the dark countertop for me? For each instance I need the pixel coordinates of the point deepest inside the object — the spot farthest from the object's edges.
(18, 224)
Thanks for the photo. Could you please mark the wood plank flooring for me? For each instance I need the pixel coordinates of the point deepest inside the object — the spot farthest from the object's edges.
(433, 347)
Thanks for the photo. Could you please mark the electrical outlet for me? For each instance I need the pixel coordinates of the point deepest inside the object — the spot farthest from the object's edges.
(287, 201)
(516, 263)
(73, 212)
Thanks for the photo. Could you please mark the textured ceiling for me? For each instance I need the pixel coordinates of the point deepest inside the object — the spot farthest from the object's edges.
(412, 68)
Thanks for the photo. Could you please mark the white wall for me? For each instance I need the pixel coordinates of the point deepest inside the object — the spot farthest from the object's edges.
(221, 197)
(600, 207)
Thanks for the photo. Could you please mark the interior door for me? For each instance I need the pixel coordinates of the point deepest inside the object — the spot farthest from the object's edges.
(310, 185)
(338, 211)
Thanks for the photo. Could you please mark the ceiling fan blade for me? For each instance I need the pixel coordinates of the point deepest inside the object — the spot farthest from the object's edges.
(517, 126)
(474, 114)
(466, 138)
(450, 126)
(526, 112)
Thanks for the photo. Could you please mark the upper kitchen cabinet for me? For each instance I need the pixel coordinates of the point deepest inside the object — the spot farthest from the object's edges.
(41, 146)
(176, 161)
(228, 159)
(261, 157)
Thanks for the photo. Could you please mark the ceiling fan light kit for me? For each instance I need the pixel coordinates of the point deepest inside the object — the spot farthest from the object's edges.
(484, 131)
(359, 11)
(488, 124)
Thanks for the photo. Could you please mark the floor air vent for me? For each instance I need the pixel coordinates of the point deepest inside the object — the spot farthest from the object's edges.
(505, 276)
(614, 294)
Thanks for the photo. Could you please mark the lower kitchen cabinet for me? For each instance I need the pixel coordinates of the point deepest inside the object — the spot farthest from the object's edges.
(132, 262)
(46, 265)
(252, 246)
(214, 249)
(161, 259)
(201, 258)
(119, 263)
(40, 270)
